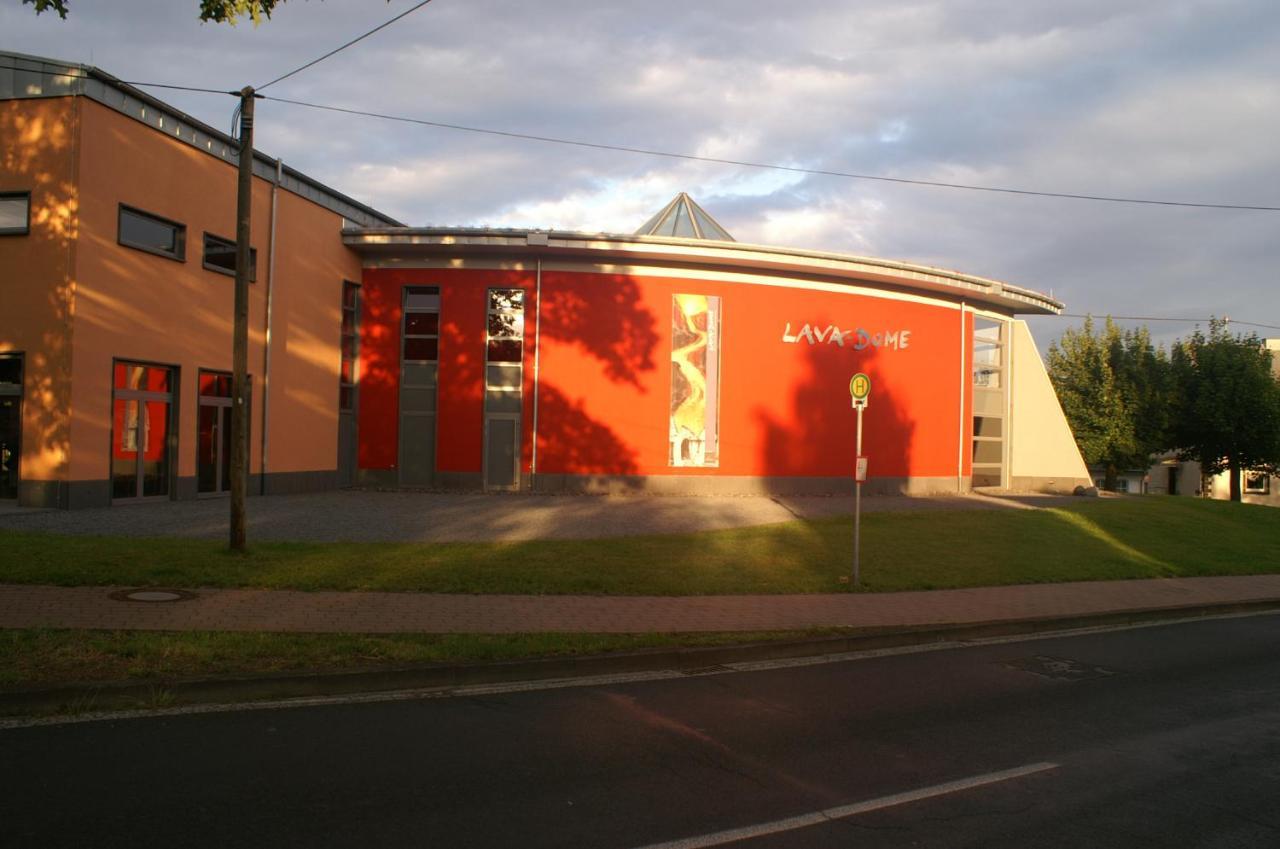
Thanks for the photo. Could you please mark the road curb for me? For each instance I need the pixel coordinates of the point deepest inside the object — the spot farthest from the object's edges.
(79, 698)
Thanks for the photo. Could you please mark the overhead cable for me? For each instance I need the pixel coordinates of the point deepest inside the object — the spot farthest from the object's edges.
(381, 26)
(794, 169)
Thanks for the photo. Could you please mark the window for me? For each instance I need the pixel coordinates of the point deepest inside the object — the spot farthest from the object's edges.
(349, 374)
(15, 213)
(152, 234)
(504, 351)
(421, 324)
(220, 256)
(503, 388)
(990, 354)
(1257, 483)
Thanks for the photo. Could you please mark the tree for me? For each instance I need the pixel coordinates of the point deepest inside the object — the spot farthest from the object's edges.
(1114, 387)
(1227, 411)
(218, 11)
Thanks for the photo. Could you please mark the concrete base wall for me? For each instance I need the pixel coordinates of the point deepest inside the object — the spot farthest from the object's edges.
(293, 483)
(81, 495)
(43, 493)
(1065, 486)
(708, 485)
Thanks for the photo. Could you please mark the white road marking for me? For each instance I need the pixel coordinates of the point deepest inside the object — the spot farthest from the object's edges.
(593, 680)
(733, 835)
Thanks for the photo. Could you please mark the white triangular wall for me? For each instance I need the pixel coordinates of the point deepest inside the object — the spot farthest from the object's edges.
(1043, 455)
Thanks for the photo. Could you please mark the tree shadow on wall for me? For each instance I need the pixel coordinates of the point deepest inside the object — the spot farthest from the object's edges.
(604, 317)
(580, 442)
(54, 216)
(813, 433)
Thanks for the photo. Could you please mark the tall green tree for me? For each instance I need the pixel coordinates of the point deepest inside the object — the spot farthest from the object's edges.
(1115, 389)
(1227, 410)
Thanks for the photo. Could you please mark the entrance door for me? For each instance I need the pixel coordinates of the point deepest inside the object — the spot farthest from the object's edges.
(10, 423)
(213, 451)
(213, 437)
(141, 447)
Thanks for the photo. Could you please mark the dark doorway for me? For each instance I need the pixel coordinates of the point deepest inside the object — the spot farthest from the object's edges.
(1173, 480)
(213, 437)
(10, 423)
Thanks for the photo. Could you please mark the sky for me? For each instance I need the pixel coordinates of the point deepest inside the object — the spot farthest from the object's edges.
(1171, 100)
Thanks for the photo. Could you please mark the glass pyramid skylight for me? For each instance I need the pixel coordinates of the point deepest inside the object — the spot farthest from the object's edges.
(684, 219)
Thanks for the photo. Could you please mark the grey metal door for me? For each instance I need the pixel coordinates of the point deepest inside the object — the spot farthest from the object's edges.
(417, 446)
(501, 452)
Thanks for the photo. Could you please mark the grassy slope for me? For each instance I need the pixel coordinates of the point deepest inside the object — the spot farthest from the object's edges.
(1091, 540)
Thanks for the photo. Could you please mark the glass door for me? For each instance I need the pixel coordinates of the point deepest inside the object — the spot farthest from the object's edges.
(141, 447)
(213, 436)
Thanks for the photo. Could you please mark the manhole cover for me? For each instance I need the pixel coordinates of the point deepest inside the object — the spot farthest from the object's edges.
(152, 595)
(1058, 668)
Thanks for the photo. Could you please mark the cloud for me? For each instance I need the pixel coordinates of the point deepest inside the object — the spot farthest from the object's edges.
(1168, 99)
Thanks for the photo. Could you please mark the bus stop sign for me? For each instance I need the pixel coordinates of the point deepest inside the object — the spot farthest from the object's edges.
(859, 389)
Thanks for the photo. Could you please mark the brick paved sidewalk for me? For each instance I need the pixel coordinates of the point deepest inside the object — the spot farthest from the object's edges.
(374, 612)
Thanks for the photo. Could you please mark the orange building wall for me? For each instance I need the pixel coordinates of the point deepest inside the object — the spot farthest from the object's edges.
(135, 305)
(311, 264)
(38, 154)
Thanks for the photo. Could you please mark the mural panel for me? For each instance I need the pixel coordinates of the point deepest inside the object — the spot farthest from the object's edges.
(694, 425)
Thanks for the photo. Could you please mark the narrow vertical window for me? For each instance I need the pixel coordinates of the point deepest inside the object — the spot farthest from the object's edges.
(503, 387)
(349, 370)
(989, 381)
(419, 358)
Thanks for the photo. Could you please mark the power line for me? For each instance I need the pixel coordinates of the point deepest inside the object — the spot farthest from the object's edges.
(345, 46)
(794, 169)
(645, 151)
(182, 87)
(1163, 318)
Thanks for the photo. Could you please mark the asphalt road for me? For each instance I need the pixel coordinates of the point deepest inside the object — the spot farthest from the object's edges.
(1164, 737)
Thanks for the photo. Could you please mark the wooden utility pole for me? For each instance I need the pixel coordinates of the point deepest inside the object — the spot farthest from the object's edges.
(240, 330)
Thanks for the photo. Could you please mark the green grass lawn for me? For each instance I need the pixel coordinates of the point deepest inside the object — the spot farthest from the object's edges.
(1093, 539)
(36, 657)
(1088, 540)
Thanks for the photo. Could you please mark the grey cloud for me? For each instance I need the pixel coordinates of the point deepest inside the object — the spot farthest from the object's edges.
(1157, 98)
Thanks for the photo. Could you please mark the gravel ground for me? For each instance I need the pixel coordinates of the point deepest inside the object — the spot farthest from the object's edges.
(368, 516)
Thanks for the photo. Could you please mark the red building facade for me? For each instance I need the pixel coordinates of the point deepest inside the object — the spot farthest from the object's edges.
(675, 364)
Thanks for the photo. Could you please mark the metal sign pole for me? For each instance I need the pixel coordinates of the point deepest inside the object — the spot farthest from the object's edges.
(857, 504)
(859, 392)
